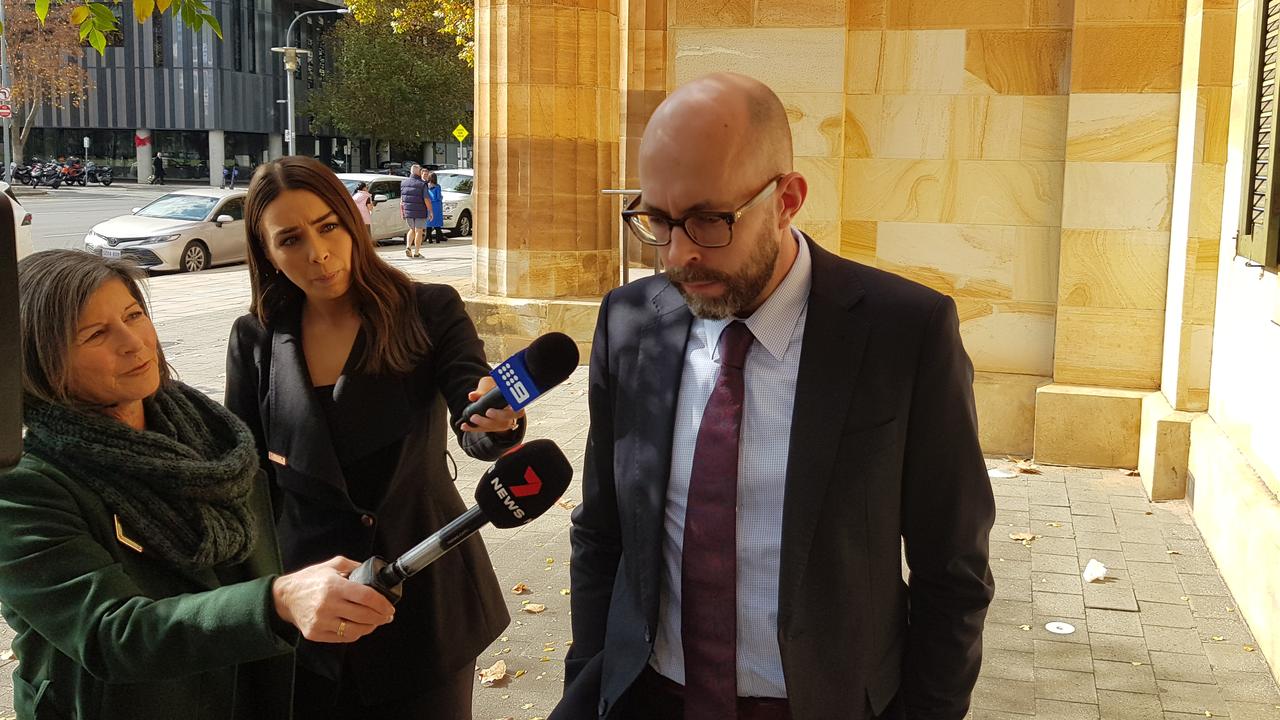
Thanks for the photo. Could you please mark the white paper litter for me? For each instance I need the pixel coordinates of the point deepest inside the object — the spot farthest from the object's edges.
(1094, 571)
(998, 473)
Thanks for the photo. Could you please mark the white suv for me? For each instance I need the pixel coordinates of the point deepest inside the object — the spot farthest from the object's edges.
(459, 191)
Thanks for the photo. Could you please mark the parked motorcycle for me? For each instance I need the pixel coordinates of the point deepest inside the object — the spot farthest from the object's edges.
(73, 172)
(98, 173)
(49, 173)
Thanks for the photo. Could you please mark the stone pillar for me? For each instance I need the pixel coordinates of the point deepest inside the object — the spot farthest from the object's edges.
(217, 156)
(546, 144)
(1117, 212)
(643, 86)
(275, 146)
(143, 153)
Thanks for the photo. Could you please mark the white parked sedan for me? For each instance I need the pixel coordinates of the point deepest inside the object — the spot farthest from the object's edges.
(458, 188)
(21, 222)
(187, 230)
(385, 190)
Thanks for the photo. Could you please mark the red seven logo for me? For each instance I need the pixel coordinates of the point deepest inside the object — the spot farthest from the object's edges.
(532, 486)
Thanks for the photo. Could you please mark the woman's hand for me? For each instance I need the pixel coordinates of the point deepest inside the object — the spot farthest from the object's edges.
(499, 420)
(327, 607)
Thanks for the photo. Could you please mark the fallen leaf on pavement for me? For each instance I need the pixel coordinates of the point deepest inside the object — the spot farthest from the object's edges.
(567, 504)
(519, 674)
(1172, 552)
(521, 589)
(493, 674)
(534, 608)
(565, 591)
(1023, 537)
(1024, 627)
(1028, 467)
(6, 656)
(1054, 524)
(1133, 473)
(1249, 648)
(1218, 638)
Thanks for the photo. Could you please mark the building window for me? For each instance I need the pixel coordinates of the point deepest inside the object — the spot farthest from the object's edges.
(1259, 233)
(237, 37)
(157, 40)
(251, 35)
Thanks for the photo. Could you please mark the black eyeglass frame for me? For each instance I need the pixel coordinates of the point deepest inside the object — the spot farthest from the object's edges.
(729, 218)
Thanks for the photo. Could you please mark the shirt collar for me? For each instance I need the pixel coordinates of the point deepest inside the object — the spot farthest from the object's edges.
(774, 322)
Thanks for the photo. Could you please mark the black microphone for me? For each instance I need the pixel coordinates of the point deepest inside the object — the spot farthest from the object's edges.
(546, 363)
(521, 486)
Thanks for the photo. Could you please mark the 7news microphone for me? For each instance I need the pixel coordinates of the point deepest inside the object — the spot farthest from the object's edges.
(519, 487)
(521, 378)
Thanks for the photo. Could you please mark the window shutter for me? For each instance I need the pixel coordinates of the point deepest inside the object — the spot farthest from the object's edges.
(1260, 228)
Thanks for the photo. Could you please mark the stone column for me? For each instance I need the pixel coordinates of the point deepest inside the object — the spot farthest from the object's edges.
(1126, 70)
(643, 86)
(143, 153)
(546, 144)
(217, 156)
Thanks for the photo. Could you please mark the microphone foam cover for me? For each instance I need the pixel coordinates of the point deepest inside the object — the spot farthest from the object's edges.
(523, 483)
(550, 359)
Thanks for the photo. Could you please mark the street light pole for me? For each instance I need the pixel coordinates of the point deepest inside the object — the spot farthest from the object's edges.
(291, 54)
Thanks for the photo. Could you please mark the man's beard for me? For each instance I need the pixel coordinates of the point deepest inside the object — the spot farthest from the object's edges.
(740, 290)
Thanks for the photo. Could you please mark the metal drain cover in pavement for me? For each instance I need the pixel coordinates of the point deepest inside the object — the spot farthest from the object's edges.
(1060, 628)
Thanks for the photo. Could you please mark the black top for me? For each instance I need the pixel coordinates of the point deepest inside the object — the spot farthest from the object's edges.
(367, 475)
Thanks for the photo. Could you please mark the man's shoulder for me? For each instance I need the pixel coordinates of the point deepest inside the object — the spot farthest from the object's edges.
(639, 292)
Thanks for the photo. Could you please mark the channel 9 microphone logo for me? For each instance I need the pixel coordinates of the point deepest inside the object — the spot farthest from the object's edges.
(512, 383)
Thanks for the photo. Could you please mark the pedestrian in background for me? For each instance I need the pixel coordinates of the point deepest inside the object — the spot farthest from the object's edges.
(414, 210)
(139, 567)
(157, 169)
(229, 175)
(435, 209)
(347, 372)
(364, 203)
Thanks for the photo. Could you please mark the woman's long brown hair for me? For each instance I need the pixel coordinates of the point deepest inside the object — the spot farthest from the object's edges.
(395, 336)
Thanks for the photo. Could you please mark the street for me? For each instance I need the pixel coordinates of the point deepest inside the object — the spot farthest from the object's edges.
(60, 218)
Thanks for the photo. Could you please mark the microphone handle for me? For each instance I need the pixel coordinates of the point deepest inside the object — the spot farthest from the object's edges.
(440, 542)
(492, 399)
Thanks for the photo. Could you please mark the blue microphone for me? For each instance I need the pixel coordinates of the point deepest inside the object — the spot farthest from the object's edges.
(525, 376)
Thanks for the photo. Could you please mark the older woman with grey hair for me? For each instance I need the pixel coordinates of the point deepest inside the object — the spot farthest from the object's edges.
(138, 562)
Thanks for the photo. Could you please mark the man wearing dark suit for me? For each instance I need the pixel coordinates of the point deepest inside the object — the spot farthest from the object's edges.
(770, 426)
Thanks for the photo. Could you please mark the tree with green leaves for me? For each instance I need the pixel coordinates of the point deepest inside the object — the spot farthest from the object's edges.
(44, 65)
(452, 18)
(94, 21)
(404, 88)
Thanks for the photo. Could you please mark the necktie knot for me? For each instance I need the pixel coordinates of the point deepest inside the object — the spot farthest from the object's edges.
(735, 341)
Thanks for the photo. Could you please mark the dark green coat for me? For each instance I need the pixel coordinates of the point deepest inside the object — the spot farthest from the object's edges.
(105, 631)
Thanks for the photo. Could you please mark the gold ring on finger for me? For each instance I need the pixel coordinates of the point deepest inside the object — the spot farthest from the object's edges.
(342, 628)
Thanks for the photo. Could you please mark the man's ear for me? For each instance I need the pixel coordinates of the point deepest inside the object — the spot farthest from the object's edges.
(792, 189)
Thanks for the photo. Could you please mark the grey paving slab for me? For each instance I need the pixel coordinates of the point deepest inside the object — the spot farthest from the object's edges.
(1124, 648)
(1185, 668)
(1191, 698)
(1113, 596)
(1124, 676)
(1116, 705)
(1059, 710)
(1251, 687)
(1165, 615)
(1253, 711)
(1114, 622)
(1173, 640)
(1012, 696)
(1063, 656)
(1065, 685)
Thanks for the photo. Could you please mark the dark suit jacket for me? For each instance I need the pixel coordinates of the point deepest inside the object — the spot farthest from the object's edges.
(884, 450)
(453, 609)
(105, 631)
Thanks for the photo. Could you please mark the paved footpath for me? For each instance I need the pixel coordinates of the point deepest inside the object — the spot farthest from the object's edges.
(1160, 639)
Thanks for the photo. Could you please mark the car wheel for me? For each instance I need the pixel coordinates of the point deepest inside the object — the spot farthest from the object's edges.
(463, 228)
(195, 257)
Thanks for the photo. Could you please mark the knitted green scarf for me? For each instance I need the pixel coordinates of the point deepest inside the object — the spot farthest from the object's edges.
(183, 484)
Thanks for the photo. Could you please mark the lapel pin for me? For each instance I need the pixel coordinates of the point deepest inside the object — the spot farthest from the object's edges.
(277, 458)
(124, 539)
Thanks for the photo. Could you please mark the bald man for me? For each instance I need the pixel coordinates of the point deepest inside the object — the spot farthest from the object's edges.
(770, 426)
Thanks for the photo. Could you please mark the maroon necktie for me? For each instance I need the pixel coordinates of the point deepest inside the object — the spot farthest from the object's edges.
(709, 570)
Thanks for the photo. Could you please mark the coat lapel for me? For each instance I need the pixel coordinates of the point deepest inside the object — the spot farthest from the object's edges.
(657, 375)
(835, 336)
(298, 441)
(373, 411)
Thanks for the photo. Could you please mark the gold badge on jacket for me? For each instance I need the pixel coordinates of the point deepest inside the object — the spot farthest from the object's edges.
(277, 458)
(125, 540)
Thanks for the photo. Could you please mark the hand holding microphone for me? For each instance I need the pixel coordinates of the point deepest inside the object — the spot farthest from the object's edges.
(520, 380)
(519, 487)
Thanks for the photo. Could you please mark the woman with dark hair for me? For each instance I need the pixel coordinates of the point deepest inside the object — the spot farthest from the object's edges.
(364, 203)
(346, 370)
(138, 562)
(435, 210)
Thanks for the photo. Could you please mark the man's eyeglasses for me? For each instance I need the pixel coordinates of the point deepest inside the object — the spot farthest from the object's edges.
(706, 229)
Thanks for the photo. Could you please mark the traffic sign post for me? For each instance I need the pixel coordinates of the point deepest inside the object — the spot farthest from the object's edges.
(460, 132)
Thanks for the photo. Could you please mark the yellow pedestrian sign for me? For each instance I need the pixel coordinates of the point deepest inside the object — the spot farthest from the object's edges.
(460, 133)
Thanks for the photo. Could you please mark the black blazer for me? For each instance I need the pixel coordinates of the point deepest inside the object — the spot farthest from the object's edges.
(884, 450)
(453, 609)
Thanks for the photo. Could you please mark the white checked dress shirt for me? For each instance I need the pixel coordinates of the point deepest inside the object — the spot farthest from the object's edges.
(770, 384)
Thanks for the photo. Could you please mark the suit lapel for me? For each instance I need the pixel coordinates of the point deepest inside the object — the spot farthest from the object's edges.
(835, 336)
(657, 375)
(298, 441)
